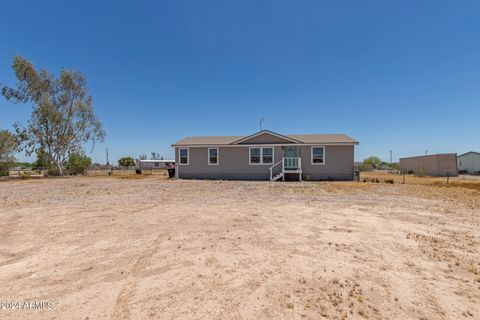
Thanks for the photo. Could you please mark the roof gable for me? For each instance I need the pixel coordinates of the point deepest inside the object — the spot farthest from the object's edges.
(266, 137)
(470, 152)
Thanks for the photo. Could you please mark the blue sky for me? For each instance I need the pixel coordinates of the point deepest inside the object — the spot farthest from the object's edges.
(395, 75)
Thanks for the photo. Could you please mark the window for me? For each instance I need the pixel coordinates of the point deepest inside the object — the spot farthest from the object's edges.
(255, 155)
(157, 164)
(261, 155)
(267, 155)
(212, 156)
(184, 156)
(318, 155)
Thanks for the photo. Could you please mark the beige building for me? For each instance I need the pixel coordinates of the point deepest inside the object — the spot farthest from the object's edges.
(266, 155)
(437, 165)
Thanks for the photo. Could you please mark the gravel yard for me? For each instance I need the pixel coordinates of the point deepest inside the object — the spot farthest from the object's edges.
(127, 248)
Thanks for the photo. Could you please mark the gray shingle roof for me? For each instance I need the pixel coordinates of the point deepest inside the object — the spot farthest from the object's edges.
(303, 138)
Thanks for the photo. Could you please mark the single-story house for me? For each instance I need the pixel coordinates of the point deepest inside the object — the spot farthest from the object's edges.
(436, 165)
(266, 155)
(469, 162)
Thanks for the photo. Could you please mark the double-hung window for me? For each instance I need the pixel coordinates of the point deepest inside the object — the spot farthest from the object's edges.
(318, 155)
(267, 155)
(255, 155)
(213, 156)
(184, 156)
(263, 155)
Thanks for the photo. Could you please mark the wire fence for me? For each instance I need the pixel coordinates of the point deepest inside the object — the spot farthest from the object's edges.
(126, 171)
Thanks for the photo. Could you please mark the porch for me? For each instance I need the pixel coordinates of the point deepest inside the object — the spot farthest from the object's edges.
(291, 163)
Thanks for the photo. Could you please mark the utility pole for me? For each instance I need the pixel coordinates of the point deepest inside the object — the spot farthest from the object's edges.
(426, 152)
(391, 156)
(106, 152)
(261, 121)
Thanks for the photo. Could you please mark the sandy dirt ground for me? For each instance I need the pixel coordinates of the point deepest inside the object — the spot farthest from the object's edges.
(111, 248)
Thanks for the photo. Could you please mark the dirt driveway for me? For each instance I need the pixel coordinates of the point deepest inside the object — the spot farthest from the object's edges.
(109, 248)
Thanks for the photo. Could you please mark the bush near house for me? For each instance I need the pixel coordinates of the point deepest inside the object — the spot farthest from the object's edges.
(126, 162)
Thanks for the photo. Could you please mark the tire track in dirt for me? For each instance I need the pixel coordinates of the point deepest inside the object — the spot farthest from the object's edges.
(121, 310)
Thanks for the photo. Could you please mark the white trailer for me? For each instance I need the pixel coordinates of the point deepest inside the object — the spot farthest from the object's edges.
(152, 164)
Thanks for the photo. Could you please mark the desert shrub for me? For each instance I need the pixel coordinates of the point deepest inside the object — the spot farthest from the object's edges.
(24, 174)
(126, 162)
(392, 166)
(77, 163)
(372, 162)
(365, 167)
(390, 181)
(5, 168)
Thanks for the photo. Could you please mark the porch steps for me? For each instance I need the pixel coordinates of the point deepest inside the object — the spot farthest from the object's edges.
(289, 165)
(278, 176)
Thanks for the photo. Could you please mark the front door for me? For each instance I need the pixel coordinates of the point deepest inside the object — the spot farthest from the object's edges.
(290, 158)
(290, 152)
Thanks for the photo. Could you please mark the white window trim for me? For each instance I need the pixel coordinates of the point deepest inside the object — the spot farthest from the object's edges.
(180, 157)
(324, 156)
(261, 156)
(218, 157)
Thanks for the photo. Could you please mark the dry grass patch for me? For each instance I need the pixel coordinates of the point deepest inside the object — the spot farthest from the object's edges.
(319, 188)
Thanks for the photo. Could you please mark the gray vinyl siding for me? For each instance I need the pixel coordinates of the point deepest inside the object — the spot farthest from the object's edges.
(338, 164)
(234, 164)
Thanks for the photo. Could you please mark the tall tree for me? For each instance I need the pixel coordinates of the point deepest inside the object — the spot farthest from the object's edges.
(155, 156)
(8, 147)
(62, 118)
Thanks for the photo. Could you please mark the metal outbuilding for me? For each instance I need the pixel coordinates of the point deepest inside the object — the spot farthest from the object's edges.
(469, 162)
(437, 165)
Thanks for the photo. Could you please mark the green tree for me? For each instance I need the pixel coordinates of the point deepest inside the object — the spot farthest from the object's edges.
(42, 160)
(77, 163)
(62, 118)
(371, 163)
(8, 147)
(126, 162)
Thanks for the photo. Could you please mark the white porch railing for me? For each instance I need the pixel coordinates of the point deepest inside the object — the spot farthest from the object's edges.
(271, 169)
(292, 163)
(289, 165)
